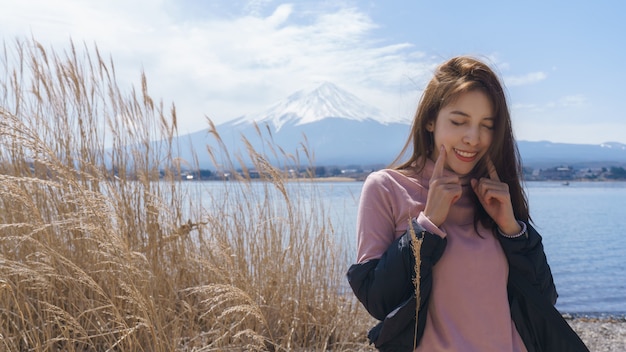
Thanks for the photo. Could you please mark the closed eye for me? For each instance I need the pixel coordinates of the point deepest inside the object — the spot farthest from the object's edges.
(456, 123)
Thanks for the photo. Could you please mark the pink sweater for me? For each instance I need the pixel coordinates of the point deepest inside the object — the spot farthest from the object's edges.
(468, 308)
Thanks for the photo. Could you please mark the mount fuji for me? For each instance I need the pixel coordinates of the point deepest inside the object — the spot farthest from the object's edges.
(314, 105)
(328, 126)
(331, 125)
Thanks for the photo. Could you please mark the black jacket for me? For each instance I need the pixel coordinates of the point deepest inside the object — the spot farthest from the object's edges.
(385, 288)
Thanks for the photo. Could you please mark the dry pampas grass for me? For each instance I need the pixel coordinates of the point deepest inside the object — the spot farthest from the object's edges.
(103, 248)
(416, 247)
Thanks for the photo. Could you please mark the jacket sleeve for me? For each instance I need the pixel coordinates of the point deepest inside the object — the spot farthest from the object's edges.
(385, 285)
(527, 258)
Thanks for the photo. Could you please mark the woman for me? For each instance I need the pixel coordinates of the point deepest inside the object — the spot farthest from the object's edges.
(484, 281)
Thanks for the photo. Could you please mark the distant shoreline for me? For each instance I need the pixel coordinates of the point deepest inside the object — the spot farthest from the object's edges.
(327, 179)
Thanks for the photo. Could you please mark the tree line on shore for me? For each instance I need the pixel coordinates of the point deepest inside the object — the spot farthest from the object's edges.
(359, 173)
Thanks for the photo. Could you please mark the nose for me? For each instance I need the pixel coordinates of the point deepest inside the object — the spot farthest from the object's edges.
(472, 136)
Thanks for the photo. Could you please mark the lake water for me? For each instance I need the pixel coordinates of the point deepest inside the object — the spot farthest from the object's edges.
(584, 230)
(583, 226)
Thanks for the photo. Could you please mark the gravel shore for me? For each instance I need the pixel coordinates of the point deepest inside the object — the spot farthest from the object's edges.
(601, 334)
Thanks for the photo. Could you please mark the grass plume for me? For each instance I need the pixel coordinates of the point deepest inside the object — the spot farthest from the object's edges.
(416, 247)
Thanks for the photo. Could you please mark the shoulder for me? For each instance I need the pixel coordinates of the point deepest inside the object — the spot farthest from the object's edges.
(379, 176)
(390, 178)
(391, 175)
(397, 187)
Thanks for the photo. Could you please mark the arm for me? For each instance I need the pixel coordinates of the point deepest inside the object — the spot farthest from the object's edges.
(385, 283)
(527, 258)
(384, 286)
(382, 278)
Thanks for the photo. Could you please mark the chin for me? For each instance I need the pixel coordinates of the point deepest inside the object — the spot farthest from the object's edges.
(464, 171)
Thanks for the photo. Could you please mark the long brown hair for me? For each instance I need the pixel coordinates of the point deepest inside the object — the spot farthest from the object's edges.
(452, 78)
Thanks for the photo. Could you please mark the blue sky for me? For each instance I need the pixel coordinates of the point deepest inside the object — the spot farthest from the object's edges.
(563, 62)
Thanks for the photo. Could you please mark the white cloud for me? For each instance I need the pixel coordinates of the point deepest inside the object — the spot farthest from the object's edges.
(255, 7)
(528, 78)
(563, 103)
(577, 100)
(525, 106)
(226, 66)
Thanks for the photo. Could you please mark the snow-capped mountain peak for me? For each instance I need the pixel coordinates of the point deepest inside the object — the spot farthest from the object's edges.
(311, 105)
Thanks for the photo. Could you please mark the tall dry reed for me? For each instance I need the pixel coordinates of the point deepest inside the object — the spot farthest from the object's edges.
(104, 248)
(416, 248)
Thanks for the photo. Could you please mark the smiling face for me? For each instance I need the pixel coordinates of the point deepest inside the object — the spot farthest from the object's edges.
(465, 128)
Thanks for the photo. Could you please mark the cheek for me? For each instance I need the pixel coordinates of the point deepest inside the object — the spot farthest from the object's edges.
(442, 137)
(487, 138)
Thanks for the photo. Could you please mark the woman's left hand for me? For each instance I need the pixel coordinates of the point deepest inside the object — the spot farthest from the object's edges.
(495, 197)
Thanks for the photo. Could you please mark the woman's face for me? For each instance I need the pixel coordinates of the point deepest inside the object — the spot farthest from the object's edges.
(465, 128)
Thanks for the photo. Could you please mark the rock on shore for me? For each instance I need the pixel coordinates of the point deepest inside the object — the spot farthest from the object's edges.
(601, 334)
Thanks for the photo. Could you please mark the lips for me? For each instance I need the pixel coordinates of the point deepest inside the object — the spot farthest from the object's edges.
(464, 155)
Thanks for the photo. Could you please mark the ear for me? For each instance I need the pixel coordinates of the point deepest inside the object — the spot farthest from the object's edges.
(430, 127)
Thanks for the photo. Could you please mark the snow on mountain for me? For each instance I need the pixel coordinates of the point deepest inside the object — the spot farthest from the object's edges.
(613, 145)
(312, 105)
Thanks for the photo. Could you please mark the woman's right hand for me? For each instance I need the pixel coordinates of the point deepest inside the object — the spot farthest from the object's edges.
(443, 191)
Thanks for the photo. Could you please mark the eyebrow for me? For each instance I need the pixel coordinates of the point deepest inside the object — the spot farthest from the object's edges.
(458, 112)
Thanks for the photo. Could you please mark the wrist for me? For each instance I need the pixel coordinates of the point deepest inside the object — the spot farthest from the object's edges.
(428, 225)
(513, 231)
(432, 219)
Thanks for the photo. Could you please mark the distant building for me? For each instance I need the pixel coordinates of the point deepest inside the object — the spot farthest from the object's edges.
(589, 173)
(557, 173)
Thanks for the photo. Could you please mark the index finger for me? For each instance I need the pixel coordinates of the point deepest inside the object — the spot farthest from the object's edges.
(493, 174)
(441, 160)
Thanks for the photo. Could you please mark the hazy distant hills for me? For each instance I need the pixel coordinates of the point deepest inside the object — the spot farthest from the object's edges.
(342, 130)
(545, 154)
